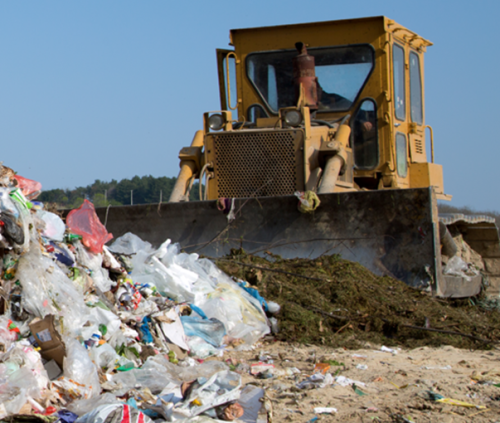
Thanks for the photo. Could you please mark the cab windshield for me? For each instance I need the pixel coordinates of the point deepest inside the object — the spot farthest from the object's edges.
(341, 72)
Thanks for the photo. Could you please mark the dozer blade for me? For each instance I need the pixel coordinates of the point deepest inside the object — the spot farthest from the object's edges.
(392, 232)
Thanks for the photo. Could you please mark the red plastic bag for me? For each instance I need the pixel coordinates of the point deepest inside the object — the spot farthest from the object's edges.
(84, 221)
(30, 189)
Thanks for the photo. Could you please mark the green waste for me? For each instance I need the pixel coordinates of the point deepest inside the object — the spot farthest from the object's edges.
(172, 358)
(333, 302)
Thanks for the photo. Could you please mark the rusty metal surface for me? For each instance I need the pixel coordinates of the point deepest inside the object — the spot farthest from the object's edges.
(304, 73)
(389, 232)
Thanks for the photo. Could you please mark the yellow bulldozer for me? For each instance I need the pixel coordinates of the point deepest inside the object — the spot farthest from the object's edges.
(320, 148)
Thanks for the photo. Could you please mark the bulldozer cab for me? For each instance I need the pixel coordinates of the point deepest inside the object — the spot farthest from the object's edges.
(370, 69)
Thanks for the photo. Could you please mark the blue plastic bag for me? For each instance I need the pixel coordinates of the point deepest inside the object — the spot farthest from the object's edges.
(210, 330)
(144, 330)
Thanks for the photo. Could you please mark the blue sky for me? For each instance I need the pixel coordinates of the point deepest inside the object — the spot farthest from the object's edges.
(114, 88)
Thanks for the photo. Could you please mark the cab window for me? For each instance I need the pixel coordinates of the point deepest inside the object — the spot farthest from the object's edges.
(364, 135)
(398, 55)
(401, 155)
(415, 89)
(341, 71)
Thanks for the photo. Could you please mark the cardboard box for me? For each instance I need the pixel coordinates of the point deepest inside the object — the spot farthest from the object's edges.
(49, 340)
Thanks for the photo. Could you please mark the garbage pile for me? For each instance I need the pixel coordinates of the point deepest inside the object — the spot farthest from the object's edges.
(98, 333)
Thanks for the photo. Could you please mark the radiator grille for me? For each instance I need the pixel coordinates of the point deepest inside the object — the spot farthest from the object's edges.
(419, 148)
(256, 163)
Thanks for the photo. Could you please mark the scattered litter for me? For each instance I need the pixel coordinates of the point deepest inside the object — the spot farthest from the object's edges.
(324, 410)
(357, 390)
(321, 367)
(362, 367)
(345, 381)
(359, 356)
(448, 367)
(403, 386)
(317, 380)
(260, 367)
(459, 403)
(440, 398)
(250, 400)
(487, 377)
(389, 350)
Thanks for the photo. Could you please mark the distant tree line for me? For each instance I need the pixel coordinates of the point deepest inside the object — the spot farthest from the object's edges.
(140, 190)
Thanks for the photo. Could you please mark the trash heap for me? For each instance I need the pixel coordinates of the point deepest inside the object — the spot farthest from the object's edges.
(114, 332)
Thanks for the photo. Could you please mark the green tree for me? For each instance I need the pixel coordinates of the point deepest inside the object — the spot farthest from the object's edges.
(146, 190)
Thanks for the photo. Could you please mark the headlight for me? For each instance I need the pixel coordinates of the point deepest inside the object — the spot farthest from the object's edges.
(293, 118)
(215, 122)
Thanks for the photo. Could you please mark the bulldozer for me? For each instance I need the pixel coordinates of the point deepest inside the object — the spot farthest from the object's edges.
(319, 147)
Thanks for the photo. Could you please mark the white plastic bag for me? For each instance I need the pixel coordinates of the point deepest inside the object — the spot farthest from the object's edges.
(241, 313)
(16, 390)
(108, 319)
(458, 267)
(54, 226)
(84, 406)
(80, 378)
(175, 275)
(200, 348)
(47, 290)
(6, 203)
(130, 244)
(151, 377)
(104, 356)
(23, 356)
(6, 336)
(93, 262)
(178, 374)
(220, 388)
(24, 218)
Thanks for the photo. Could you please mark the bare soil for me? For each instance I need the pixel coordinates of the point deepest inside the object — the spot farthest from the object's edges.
(396, 386)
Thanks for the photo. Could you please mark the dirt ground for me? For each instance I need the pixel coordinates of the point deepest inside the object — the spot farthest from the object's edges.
(396, 386)
(337, 312)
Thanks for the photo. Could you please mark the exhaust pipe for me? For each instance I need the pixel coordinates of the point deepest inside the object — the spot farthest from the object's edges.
(304, 74)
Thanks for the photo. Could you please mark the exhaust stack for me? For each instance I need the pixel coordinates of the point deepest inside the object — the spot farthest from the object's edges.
(304, 74)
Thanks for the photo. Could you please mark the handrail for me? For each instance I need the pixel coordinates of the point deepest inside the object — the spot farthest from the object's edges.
(432, 141)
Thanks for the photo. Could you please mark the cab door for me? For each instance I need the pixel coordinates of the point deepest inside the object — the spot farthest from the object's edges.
(400, 111)
(416, 132)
